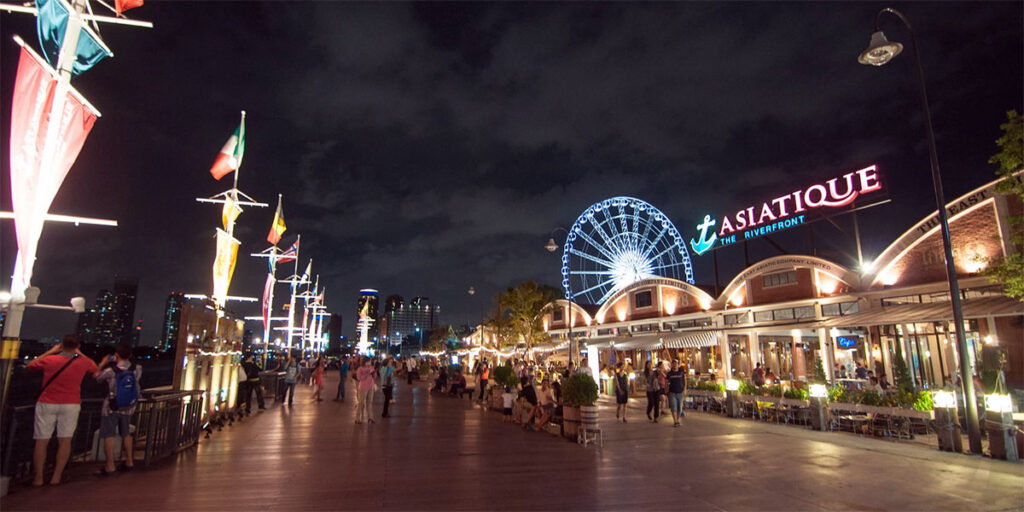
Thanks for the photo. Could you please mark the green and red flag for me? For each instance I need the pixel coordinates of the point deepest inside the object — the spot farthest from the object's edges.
(230, 157)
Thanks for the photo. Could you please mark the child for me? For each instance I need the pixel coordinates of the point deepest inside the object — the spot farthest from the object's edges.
(507, 398)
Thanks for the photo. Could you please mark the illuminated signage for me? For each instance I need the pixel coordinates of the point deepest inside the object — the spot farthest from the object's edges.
(784, 212)
(845, 342)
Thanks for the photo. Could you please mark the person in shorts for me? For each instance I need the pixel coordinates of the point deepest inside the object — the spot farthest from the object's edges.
(116, 421)
(507, 399)
(60, 401)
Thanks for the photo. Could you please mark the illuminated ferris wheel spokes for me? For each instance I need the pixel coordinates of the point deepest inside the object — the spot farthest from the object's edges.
(617, 242)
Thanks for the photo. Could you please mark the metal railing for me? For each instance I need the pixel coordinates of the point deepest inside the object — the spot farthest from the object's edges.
(165, 422)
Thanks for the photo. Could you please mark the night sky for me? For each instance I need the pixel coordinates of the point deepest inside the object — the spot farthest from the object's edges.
(426, 148)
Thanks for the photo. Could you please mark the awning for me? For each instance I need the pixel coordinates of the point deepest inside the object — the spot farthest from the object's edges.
(929, 312)
(699, 339)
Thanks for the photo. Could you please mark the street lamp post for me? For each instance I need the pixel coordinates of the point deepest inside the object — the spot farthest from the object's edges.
(552, 246)
(880, 51)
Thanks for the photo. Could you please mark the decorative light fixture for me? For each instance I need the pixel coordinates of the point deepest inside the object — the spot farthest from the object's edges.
(732, 385)
(880, 50)
(818, 391)
(998, 403)
(943, 400)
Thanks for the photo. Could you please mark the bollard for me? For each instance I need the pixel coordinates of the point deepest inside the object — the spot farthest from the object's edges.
(732, 398)
(1002, 442)
(820, 418)
(947, 422)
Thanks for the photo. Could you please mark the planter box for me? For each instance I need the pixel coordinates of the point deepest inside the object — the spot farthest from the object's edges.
(705, 394)
(904, 412)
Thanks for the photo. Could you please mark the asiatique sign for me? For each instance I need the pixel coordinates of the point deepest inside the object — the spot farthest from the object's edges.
(784, 212)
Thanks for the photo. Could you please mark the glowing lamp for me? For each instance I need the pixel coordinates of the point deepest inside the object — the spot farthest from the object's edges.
(998, 403)
(818, 391)
(880, 50)
(732, 385)
(989, 340)
(705, 304)
(736, 299)
(632, 376)
(943, 400)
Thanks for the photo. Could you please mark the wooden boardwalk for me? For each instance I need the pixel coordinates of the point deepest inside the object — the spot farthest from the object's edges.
(440, 453)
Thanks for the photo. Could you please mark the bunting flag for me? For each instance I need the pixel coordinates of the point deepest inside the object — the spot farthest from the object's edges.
(52, 22)
(268, 290)
(277, 227)
(230, 212)
(40, 163)
(290, 254)
(224, 265)
(230, 157)
(123, 5)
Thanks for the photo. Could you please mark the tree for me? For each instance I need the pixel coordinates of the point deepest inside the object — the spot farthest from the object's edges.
(819, 370)
(435, 340)
(1008, 270)
(902, 377)
(519, 311)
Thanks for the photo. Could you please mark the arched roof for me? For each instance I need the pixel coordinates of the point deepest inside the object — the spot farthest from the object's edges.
(702, 296)
(785, 262)
(929, 226)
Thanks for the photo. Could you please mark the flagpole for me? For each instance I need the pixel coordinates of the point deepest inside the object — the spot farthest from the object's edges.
(291, 300)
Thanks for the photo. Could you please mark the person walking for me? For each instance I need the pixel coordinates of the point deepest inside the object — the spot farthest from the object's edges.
(621, 382)
(318, 380)
(485, 377)
(291, 375)
(343, 373)
(60, 401)
(121, 375)
(252, 383)
(365, 377)
(676, 391)
(387, 384)
(653, 392)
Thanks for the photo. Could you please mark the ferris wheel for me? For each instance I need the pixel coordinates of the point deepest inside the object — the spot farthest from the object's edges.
(617, 242)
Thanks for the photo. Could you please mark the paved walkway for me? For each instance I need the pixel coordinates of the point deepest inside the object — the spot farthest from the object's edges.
(443, 453)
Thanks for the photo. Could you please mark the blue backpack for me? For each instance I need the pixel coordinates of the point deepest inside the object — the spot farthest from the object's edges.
(126, 388)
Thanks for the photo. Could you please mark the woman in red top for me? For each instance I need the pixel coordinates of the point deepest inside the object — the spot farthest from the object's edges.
(318, 380)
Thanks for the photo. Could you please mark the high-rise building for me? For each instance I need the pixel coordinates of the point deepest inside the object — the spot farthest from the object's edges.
(401, 321)
(111, 319)
(125, 291)
(334, 333)
(171, 331)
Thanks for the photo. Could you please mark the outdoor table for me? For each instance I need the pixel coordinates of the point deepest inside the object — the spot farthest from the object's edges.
(853, 422)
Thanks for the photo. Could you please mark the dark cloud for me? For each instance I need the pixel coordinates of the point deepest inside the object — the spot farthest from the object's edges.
(425, 148)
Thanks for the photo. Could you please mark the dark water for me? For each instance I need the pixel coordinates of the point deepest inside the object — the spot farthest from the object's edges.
(25, 384)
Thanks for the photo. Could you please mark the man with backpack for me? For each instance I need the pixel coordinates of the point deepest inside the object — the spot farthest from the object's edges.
(59, 403)
(122, 376)
(251, 384)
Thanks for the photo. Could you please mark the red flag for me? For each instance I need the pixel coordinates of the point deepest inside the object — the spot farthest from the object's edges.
(124, 5)
(38, 168)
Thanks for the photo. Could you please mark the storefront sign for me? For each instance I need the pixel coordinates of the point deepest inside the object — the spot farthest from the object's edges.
(845, 342)
(787, 211)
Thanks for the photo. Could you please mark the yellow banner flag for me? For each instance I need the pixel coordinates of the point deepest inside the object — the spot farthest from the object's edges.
(230, 212)
(224, 265)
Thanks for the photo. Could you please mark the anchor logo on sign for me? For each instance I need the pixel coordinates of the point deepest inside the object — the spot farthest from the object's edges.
(705, 243)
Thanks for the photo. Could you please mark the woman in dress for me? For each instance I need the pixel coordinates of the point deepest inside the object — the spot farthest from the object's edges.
(318, 380)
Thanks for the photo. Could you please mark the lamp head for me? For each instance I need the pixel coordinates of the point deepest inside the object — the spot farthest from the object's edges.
(551, 246)
(78, 304)
(472, 291)
(880, 50)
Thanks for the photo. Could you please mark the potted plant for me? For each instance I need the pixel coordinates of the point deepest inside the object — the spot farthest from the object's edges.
(579, 391)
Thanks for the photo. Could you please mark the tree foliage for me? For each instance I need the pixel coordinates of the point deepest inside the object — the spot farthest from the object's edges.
(901, 376)
(1009, 270)
(518, 311)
